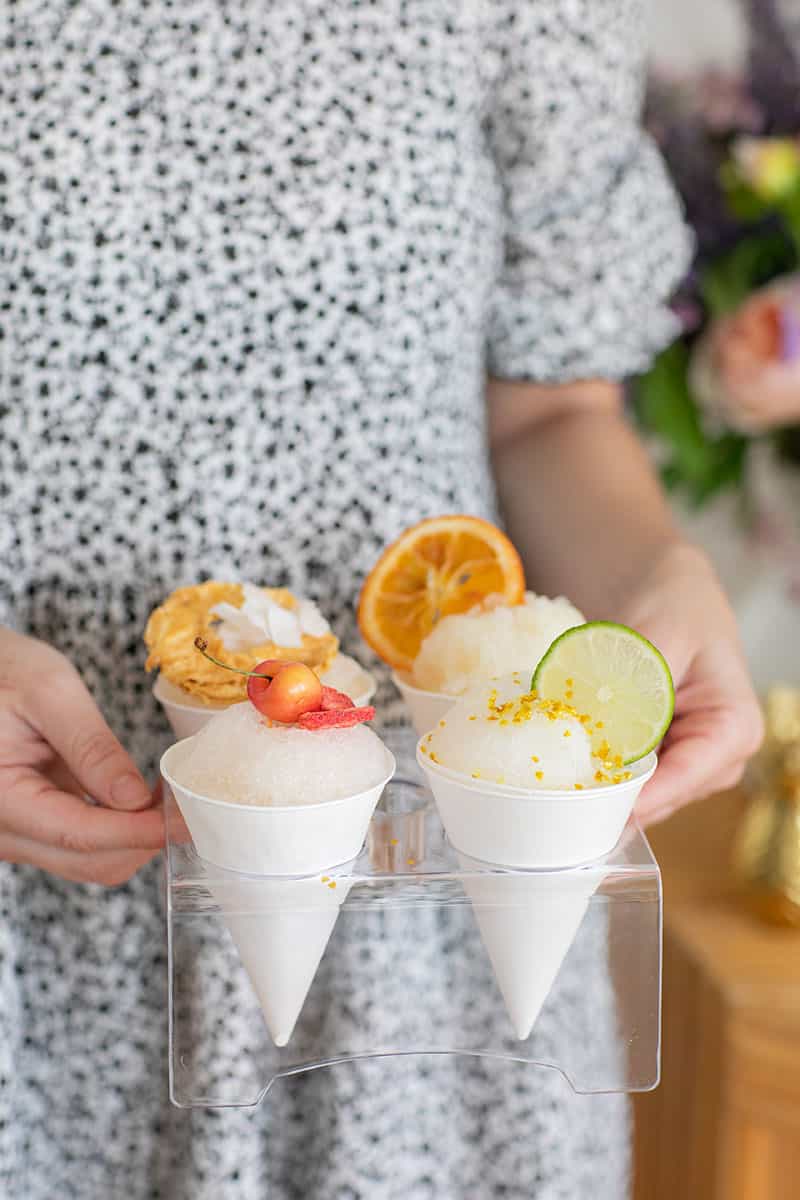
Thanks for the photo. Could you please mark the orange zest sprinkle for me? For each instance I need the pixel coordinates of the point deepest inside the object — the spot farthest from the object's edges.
(578, 787)
(540, 774)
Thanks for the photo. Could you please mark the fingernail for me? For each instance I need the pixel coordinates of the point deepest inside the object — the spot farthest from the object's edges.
(130, 791)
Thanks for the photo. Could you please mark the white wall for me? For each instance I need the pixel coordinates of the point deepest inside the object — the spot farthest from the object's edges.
(691, 33)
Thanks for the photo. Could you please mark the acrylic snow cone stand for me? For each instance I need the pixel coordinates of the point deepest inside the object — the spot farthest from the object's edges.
(414, 946)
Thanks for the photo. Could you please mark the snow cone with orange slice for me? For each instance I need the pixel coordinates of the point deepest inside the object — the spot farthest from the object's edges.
(445, 606)
(540, 775)
(281, 787)
(244, 624)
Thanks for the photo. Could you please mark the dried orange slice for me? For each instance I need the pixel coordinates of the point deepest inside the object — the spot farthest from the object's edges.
(441, 566)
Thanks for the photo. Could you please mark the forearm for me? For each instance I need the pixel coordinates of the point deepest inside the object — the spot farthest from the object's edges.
(579, 497)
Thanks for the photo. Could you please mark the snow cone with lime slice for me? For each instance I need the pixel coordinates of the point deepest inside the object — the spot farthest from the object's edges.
(542, 775)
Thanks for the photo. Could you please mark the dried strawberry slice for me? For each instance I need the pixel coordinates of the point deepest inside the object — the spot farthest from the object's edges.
(331, 699)
(335, 718)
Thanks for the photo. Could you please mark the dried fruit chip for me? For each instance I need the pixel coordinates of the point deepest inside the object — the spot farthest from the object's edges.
(336, 718)
(331, 699)
(441, 566)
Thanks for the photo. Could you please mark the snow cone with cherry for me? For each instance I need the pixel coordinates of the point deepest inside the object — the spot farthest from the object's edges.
(282, 787)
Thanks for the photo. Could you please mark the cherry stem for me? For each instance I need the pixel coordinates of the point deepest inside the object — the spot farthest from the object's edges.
(202, 645)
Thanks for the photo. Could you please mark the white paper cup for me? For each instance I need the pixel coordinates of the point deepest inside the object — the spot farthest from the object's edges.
(281, 928)
(187, 714)
(542, 829)
(300, 839)
(426, 708)
(528, 924)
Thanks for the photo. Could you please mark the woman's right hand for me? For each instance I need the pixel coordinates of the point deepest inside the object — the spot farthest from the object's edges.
(55, 750)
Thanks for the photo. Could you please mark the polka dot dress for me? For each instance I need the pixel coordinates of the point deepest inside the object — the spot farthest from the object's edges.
(256, 259)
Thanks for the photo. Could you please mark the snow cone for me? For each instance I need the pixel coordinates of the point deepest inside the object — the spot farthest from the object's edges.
(281, 787)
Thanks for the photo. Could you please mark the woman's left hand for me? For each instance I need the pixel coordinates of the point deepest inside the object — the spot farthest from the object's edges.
(718, 724)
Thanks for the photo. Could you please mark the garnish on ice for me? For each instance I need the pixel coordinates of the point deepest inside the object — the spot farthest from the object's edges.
(290, 693)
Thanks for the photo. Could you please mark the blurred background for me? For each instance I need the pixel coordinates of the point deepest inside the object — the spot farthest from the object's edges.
(721, 413)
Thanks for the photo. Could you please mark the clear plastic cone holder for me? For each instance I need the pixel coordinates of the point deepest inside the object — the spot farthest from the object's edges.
(411, 948)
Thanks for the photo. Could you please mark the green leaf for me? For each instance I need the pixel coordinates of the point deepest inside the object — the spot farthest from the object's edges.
(727, 282)
(744, 204)
(696, 463)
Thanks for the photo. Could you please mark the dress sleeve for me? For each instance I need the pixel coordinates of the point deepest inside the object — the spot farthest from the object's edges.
(595, 241)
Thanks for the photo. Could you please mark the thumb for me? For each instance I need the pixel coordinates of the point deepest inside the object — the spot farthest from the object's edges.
(67, 717)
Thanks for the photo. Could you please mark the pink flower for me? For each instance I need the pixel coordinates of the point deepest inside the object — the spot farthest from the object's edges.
(745, 371)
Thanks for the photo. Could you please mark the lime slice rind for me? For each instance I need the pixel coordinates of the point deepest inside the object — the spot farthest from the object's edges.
(617, 677)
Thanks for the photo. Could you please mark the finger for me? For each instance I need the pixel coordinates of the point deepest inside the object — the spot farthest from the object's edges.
(69, 720)
(110, 868)
(176, 826)
(724, 783)
(701, 750)
(31, 806)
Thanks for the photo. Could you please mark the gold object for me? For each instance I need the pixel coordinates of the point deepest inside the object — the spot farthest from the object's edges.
(767, 850)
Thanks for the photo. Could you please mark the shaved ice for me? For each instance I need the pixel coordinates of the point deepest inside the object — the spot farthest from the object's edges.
(498, 733)
(467, 647)
(237, 757)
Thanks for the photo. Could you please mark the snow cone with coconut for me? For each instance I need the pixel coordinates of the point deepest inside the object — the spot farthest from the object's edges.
(283, 787)
(244, 624)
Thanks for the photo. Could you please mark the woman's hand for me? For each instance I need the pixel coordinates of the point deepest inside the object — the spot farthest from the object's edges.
(55, 749)
(718, 725)
(585, 510)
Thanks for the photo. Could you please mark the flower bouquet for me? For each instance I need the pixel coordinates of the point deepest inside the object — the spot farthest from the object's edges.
(722, 404)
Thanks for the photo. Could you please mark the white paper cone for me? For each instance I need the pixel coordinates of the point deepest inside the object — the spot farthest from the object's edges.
(282, 940)
(187, 714)
(426, 708)
(536, 829)
(281, 926)
(528, 924)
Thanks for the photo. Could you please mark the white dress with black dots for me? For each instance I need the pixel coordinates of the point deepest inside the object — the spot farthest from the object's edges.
(256, 259)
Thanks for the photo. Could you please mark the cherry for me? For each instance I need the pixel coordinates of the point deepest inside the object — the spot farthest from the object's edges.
(284, 691)
(260, 679)
(287, 691)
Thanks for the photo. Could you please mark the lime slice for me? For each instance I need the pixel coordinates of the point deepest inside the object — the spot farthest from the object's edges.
(618, 678)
